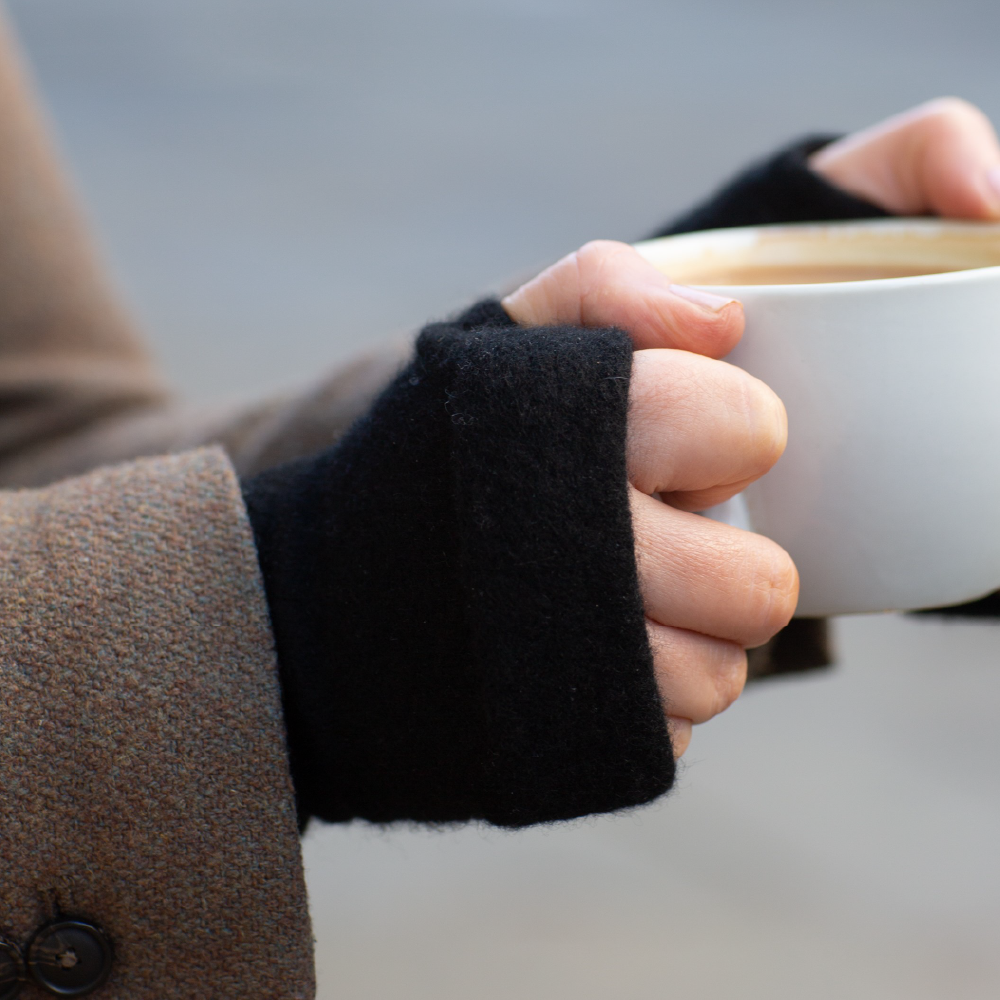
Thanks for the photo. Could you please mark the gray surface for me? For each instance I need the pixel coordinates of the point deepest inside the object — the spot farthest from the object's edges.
(278, 181)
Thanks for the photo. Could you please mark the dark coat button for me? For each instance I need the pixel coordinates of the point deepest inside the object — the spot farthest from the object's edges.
(69, 958)
(11, 970)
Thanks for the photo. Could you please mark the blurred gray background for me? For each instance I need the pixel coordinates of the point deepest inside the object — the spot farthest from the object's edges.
(277, 182)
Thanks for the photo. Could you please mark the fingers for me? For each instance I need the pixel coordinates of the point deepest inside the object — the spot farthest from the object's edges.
(941, 157)
(698, 676)
(725, 430)
(707, 577)
(699, 430)
(610, 284)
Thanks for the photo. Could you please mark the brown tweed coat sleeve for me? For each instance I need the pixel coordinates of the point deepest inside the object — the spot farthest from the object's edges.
(142, 759)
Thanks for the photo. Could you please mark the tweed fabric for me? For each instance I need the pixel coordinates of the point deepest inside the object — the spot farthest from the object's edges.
(144, 776)
(256, 433)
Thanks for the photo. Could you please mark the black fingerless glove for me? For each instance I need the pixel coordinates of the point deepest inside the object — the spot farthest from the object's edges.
(454, 594)
(780, 189)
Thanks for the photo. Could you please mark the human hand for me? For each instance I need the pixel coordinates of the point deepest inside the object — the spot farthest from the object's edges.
(699, 431)
(606, 283)
(941, 158)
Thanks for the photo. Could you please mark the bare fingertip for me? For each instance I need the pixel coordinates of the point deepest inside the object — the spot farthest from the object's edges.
(511, 305)
(680, 735)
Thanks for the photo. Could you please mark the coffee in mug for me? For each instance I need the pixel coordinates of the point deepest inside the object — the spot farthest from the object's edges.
(883, 340)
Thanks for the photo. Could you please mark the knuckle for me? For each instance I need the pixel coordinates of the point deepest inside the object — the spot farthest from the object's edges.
(951, 107)
(595, 269)
(599, 248)
(594, 257)
(946, 116)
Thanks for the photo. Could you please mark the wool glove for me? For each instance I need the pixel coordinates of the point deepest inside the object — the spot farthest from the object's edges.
(779, 189)
(454, 594)
(453, 588)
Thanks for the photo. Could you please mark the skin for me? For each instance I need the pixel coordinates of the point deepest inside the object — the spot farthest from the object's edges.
(701, 430)
(941, 158)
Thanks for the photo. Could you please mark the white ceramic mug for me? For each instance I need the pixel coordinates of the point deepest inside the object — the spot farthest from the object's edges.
(888, 494)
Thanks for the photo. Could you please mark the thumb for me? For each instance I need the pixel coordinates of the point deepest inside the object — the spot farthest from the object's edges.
(941, 157)
(605, 283)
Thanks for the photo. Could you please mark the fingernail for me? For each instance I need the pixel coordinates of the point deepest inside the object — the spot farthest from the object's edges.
(706, 300)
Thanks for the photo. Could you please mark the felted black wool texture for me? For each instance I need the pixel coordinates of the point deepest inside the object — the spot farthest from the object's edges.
(779, 189)
(454, 593)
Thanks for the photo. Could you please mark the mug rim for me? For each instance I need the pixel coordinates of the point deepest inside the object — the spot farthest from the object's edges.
(748, 235)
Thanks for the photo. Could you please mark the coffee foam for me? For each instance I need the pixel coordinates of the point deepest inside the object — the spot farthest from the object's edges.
(821, 254)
